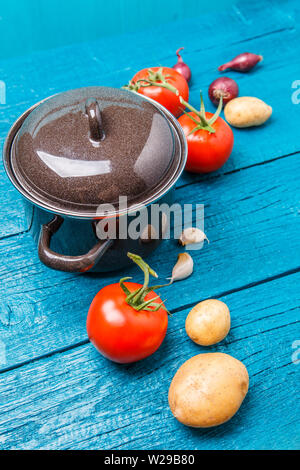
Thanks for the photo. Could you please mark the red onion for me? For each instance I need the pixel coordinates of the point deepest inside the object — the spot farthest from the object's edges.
(181, 67)
(223, 86)
(242, 62)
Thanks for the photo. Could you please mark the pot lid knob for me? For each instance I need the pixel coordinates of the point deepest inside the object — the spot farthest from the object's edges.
(95, 120)
(84, 148)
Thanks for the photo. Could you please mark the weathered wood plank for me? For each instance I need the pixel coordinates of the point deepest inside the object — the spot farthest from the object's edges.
(67, 396)
(38, 75)
(256, 145)
(32, 78)
(251, 219)
(79, 400)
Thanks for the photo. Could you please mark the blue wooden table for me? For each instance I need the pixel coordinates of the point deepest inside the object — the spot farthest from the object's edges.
(56, 391)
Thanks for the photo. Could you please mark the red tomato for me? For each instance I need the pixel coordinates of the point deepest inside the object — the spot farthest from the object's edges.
(206, 151)
(120, 332)
(164, 96)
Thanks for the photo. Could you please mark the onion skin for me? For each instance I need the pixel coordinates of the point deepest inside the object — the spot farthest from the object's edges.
(223, 86)
(181, 67)
(242, 62)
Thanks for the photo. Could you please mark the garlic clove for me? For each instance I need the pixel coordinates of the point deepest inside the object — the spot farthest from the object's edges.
(183, 268)
(192, 235)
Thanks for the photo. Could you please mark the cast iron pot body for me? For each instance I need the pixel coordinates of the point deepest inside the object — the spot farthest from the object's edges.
(65, 228)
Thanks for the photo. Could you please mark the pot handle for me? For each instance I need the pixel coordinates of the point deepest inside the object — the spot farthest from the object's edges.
(72, 264)
(95, 120)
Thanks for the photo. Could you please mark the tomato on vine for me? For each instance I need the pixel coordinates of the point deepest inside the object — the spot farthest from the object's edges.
(127, 321)
(164, 85)
(209, 138)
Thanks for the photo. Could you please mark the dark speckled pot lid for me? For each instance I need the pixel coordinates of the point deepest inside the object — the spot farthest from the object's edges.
(87, 147)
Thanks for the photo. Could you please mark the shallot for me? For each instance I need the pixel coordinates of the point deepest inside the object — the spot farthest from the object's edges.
(242, 62)
(181, 67)
(225, 87)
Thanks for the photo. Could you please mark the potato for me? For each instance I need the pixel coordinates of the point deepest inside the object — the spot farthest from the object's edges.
(208, 322)
(208, 389)
(247, 111)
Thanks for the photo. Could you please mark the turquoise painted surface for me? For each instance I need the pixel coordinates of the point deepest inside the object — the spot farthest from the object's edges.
(29, 25)
(56, 391)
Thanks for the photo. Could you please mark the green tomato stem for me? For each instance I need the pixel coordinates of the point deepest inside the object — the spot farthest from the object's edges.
(154, 79)
(203, 123)
(218, 111)
(136, 299)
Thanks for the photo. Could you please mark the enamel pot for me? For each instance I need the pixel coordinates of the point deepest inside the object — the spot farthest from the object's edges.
(89, 158)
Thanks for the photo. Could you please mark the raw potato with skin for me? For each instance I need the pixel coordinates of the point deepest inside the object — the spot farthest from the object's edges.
(247, 111)
(208, 389)
(208, 322)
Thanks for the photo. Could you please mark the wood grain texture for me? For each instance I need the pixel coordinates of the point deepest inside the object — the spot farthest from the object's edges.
(77, 399)
(38, 25)
(251, 222)
(32, 78)
(55, 390)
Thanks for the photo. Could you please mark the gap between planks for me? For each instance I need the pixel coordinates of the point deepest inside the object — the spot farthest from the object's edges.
(234, 10)
(204, 177)
(169, 56)
(209, 177)
(172, 311)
